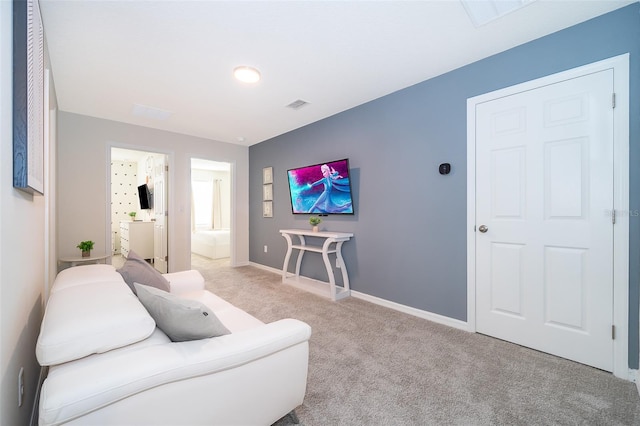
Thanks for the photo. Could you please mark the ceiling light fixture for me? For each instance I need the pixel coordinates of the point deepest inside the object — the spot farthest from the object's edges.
(246, 74)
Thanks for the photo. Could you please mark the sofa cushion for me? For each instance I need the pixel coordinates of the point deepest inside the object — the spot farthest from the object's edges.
(81, 320)
(137, 270)
(80, 275)
(180, 319)
(183, 281)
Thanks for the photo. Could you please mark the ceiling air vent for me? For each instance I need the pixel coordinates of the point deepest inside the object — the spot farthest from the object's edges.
(297, 104)
(483, 12)
(150, 112)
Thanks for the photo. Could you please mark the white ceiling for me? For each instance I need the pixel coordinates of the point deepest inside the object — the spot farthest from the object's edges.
(111, 57)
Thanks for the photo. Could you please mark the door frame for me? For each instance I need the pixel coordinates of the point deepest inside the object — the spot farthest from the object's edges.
(233, 222)
(169, 205)
(620, 66)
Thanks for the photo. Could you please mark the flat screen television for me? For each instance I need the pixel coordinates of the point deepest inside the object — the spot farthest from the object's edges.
(321, 189)
(144, 195)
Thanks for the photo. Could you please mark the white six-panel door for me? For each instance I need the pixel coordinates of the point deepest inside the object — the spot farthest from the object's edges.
(544, 192)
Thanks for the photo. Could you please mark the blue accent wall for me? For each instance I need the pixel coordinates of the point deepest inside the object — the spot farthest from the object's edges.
(410, 222)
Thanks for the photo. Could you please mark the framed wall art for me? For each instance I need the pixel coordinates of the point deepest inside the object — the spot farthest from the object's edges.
(267, 209)
(28, 97)
(267, 175)
(267, 192)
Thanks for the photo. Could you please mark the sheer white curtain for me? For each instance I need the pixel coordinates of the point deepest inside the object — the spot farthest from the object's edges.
(202, 198)
(216, 205)
(193, 208)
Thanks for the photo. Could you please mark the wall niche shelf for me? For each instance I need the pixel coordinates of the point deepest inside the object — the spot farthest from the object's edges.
(332, 245)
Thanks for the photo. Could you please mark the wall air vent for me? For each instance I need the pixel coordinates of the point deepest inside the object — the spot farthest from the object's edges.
(297, 104)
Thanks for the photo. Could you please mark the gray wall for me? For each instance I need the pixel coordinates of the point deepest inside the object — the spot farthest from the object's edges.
(83, 155)
(410, 222)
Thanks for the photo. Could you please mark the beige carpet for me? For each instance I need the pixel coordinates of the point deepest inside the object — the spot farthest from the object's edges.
(370, 365)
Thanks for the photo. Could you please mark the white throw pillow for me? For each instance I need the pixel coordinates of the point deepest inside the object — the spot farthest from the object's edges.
(92, 318)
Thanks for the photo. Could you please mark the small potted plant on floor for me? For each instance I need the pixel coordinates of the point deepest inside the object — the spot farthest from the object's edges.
(132, 215)
(86, 247)
(314, 221)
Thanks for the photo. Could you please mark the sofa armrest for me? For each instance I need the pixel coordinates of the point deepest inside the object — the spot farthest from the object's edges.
(183, 281)
(74, 389)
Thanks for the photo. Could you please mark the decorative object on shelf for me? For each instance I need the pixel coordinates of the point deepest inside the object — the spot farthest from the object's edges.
(267, 209)
(86, 247)
(267, 175)
(314, 221)
(132, 215)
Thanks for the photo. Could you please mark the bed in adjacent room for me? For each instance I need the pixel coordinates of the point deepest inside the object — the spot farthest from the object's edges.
(214, 244)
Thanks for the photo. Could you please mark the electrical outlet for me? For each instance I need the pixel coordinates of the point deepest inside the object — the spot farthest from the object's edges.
(20, 386)
(265, 248)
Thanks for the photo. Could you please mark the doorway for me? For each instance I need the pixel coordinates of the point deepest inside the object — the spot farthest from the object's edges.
(211, 217)
(547, 170)
(138, 213)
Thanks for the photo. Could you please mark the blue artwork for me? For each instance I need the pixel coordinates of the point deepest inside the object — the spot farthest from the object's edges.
(321, 188)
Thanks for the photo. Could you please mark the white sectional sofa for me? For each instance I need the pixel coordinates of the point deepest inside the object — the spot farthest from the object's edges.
(110, 365)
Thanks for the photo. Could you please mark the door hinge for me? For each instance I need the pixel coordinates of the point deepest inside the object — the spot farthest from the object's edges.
(613, 216)
(613, 100)
(613, 332)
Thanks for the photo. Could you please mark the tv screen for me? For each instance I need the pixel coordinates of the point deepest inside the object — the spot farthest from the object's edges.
(321, 189)
(145, 196)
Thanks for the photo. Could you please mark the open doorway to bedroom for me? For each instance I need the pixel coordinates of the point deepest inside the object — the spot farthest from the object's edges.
(139, 209)
(210, 212)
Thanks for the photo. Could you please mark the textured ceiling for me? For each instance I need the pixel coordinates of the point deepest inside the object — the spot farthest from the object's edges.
(171, 62)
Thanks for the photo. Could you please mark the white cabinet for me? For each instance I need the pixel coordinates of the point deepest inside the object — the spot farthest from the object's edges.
(136, 236)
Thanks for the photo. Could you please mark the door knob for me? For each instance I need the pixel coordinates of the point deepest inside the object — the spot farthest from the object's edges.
(483, 228)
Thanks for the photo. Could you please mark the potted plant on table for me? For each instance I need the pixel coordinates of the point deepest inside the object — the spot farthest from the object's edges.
(314, 221)
(86, 247)
(132, 215)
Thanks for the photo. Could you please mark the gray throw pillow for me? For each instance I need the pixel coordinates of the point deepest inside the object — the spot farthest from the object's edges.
(137, 270)
(180, 319)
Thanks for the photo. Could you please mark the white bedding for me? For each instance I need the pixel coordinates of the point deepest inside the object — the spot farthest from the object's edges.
(212, 244)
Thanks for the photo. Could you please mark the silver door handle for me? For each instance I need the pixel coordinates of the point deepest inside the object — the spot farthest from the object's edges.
(483, 228)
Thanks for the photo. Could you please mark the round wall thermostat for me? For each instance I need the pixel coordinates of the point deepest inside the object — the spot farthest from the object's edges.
(444, 168)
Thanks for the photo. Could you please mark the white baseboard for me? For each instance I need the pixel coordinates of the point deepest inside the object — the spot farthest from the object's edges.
(440, 319)
(266, 268)
(634, 376)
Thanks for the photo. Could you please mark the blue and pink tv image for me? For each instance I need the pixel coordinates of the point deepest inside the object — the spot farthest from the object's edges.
(321, 189)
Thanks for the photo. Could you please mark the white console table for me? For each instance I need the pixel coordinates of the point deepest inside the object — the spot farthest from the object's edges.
(74, 261)
(332, 244)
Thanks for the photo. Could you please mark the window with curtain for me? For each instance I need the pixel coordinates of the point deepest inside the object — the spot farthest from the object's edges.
(203, 204)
